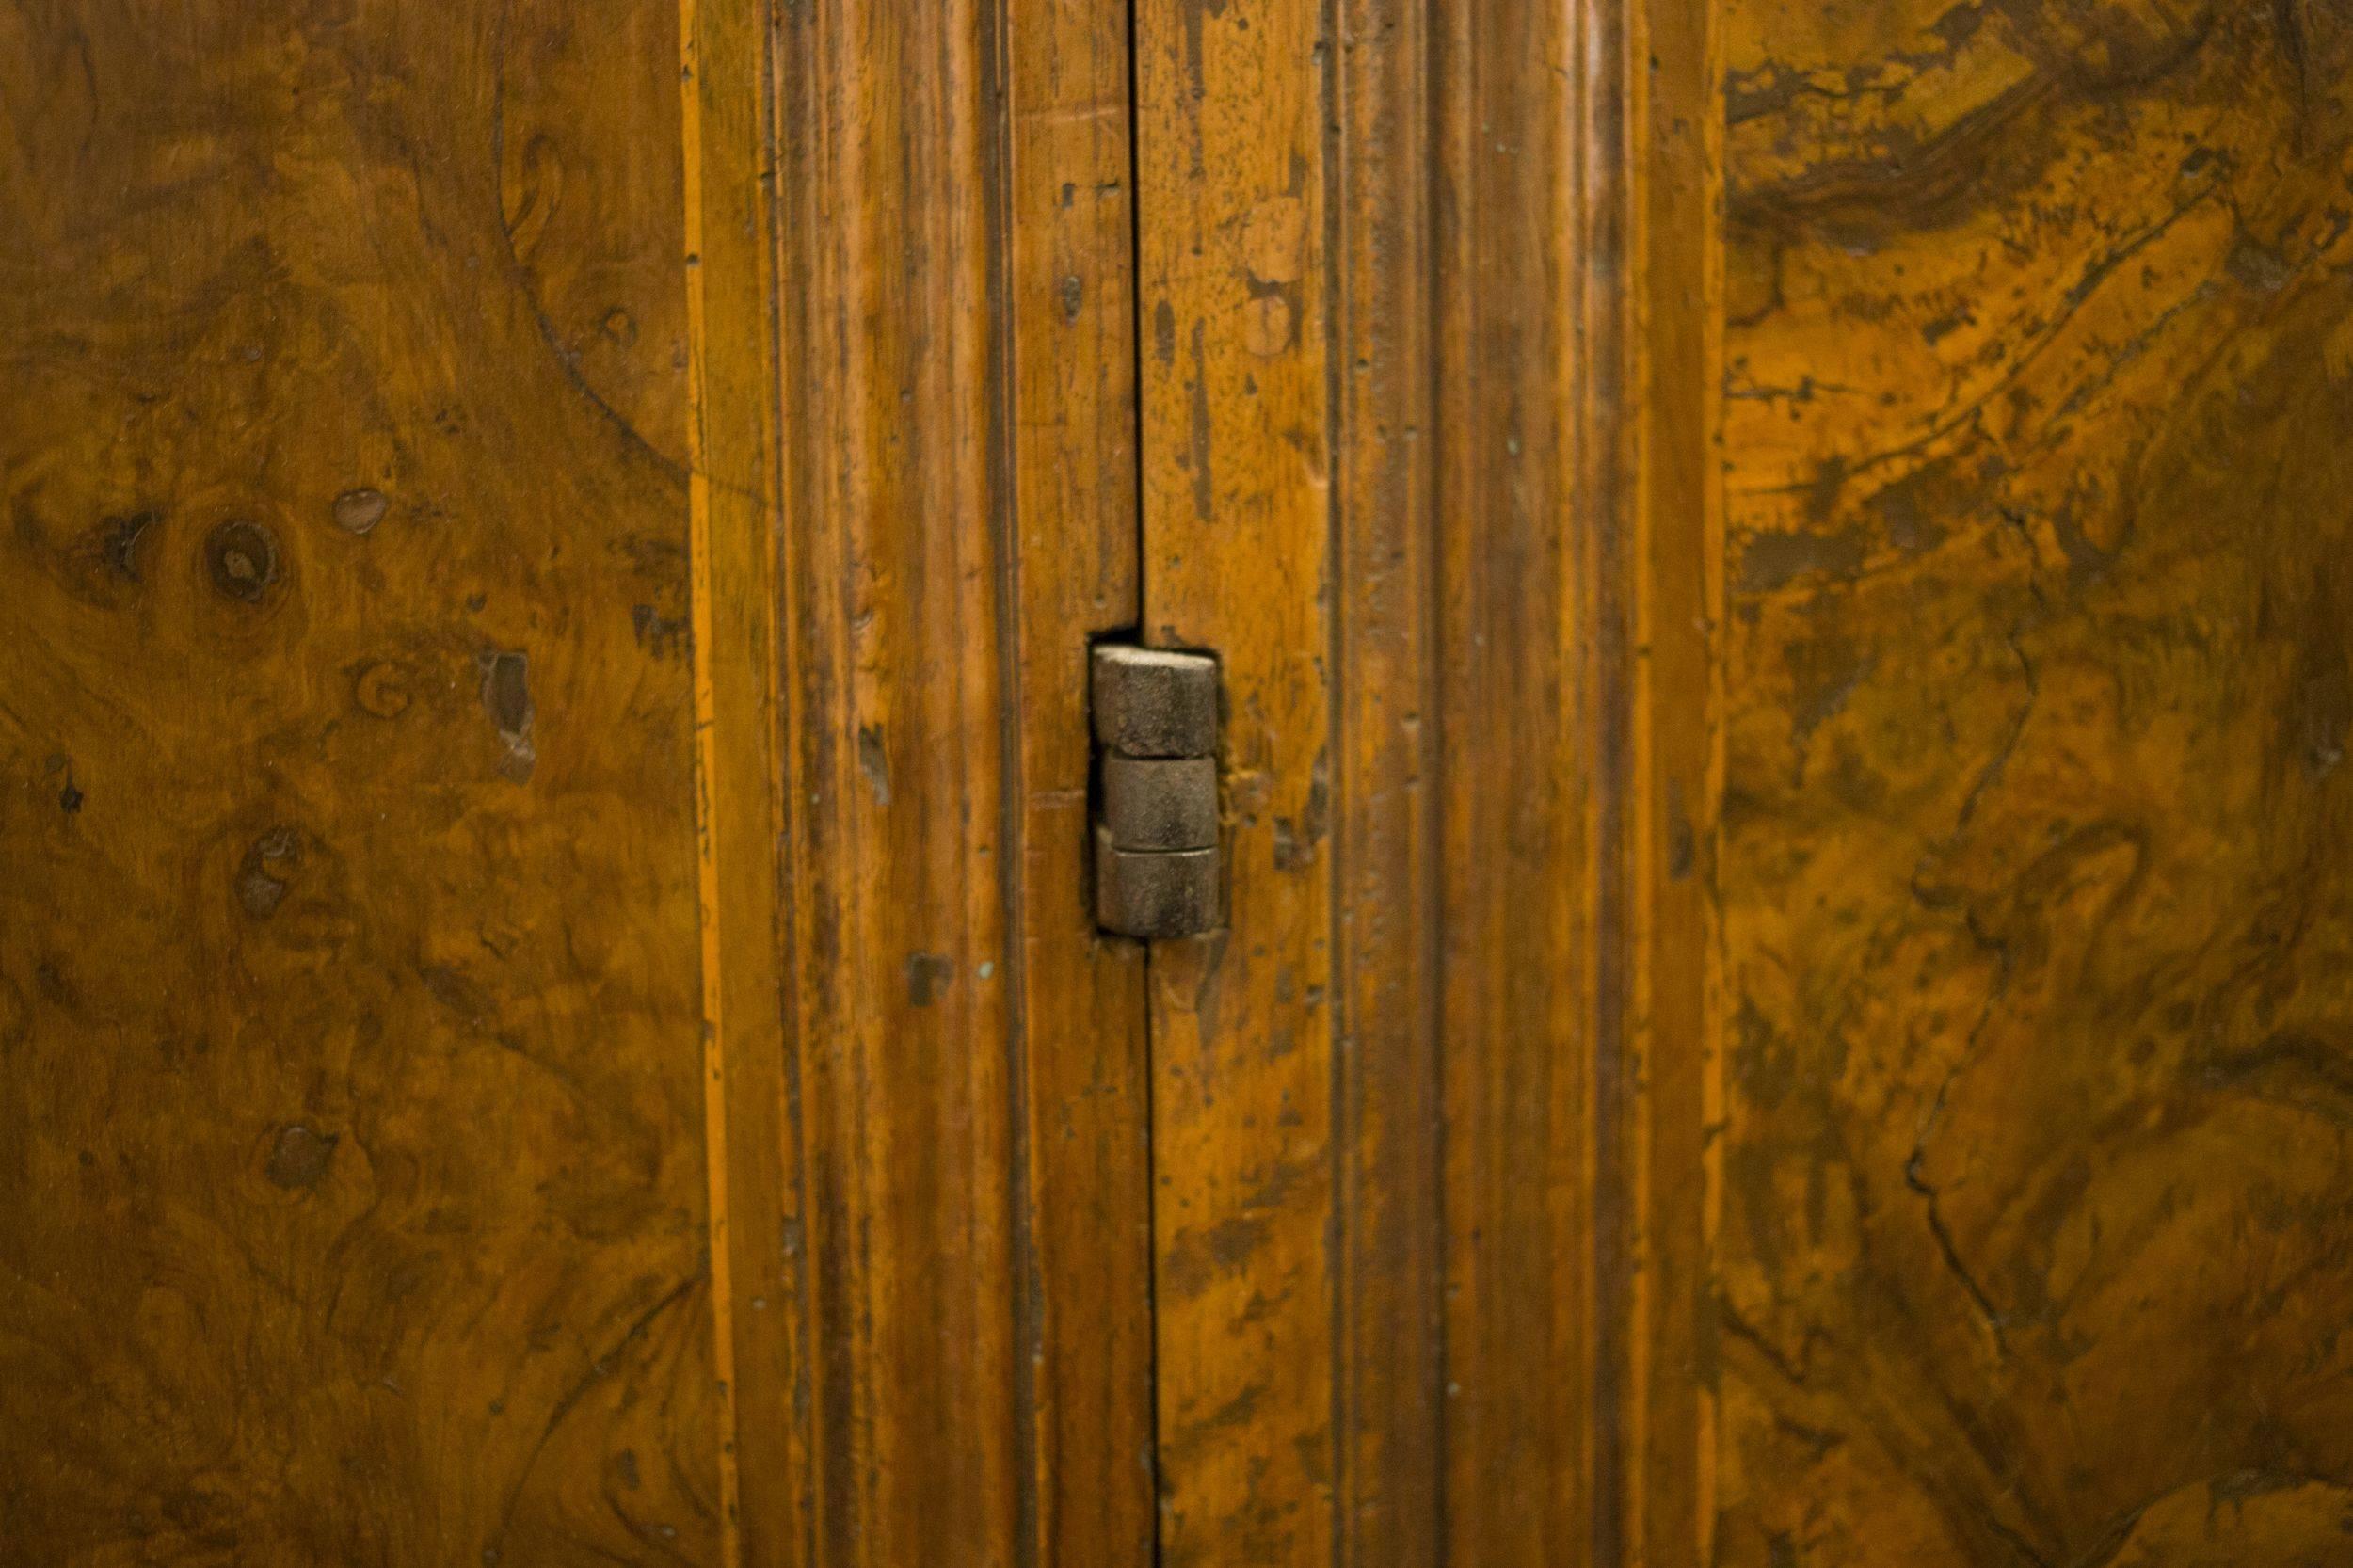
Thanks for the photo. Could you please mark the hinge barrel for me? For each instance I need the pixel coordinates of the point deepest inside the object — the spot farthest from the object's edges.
(1159, 870)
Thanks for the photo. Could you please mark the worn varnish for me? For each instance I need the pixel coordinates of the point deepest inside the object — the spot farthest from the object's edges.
(2038, 396)
(1513, 710)
(895, 788)
(1070, 562)
(1388, 790)
(726, 268)
(1874, 590)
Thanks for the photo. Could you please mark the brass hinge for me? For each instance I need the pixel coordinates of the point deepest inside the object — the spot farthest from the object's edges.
(1158, 870)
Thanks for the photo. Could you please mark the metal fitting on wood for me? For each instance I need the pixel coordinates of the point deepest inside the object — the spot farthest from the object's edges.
(1157, 867)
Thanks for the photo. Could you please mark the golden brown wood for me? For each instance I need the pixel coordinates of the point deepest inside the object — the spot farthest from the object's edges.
(1775, 574)
(1388, 784)
(1668, 575)
(729, 275)
(902, 1021)
(1892, 696)
(1469, 1304)
(1964, 1142)
(1073, 562)
(555, 567)
(1515, 712)
(957, 522)
(2033, 1243)
(352, 1191)
(1236, 558)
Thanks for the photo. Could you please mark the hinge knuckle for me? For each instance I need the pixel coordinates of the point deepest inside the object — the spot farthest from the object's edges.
(1155, 893)
(1153, 803)
(1155, 702)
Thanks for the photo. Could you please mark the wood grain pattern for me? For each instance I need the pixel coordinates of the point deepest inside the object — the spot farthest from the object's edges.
(2034, 1233)
(1073, 563)
(549, 1008)
(1387, 789)
(1515, 712)
(727, 271)
(1675, 572)
(352, 1195)
(893, 493)
(1783, 620)
(957, 522)
(1888, 1107)
(1923, 1119)
(1511, 899)
(1231, 254)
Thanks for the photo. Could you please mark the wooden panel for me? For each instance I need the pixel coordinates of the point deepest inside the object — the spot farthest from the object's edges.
(896, 774)
(2034, 1239)
(1516, 709)
(1237, 557)
(1437, 1278)
(1672, 576)
(435, 1132)
(1073, 567)
(1388, 790)
(727, 272)
(1577, 586)
(1890, 692)
(352, 1192)
(1510, 733)
(957, 521)
(1918, 1141)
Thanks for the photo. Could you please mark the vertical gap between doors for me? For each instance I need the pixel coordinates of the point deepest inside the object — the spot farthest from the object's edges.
(1143, 634)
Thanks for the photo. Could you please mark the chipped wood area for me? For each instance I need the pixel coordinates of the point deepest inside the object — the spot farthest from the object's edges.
(2038, 411)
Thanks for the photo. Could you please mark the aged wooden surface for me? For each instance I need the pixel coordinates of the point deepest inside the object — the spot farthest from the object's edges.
(1515, 708)
(1431, 576)
(1777, 569)
(1232, 283)
(1886, 626)
(352, 1189)
(1072, 563)
(1386, 784)
(548, 1006)
(2039, 379)
(957, 522)
(894, 778)
(728, 273)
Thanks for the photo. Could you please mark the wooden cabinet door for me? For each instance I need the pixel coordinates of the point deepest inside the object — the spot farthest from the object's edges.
(1780, 580)
(354, 1141)
(1776, 577)
(548, 1006)
(2027, 1234)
